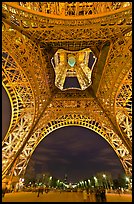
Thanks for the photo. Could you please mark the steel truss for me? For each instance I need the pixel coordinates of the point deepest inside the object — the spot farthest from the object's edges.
(29, 40)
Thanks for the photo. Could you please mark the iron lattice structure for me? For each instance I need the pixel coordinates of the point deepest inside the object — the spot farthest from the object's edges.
(32, 32)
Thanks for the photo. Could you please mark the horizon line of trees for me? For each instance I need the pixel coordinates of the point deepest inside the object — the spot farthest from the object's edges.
(100, 179)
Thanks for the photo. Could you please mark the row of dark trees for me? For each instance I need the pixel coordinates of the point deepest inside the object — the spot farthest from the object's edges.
(107, 181)
(32, 179)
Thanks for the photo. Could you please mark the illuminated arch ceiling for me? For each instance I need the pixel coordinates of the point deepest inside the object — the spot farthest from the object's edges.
(73, 69)
(32, 32)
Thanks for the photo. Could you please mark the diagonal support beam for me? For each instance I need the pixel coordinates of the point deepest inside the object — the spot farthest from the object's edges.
(9, 167)
(125, 140)
(19, 29)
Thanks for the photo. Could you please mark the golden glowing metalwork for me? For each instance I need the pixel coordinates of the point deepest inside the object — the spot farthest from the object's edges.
(34, 34)
(73, 8)
(72, 68)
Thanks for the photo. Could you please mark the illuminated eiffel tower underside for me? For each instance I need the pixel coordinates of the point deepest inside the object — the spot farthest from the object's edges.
(32, 32)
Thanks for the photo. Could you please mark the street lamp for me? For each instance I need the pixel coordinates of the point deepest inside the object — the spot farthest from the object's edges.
(127, 179)
(127, 182)
(50, 181)
(89, 182)
(104, 176)
(82, 184)
(58, 182)
(95, 179)
(85, 183)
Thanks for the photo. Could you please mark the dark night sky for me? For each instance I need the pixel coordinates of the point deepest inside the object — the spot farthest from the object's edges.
(76, 151)
(6, 112)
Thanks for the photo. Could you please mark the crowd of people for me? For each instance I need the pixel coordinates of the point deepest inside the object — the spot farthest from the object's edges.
(97, 195)
(41, 189)
(89, 195)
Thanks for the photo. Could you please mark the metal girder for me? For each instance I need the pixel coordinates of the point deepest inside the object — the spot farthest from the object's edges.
(29, 41)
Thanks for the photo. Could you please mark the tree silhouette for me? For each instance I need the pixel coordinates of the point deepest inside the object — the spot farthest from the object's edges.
(30, 175)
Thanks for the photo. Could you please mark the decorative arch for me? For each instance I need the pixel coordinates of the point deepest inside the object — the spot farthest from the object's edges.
(27, 91)
(21, 97)
(74, 120)
(123, 106)
(25, 34)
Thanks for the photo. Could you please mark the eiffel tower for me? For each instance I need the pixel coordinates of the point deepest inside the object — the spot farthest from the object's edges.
(66, 64)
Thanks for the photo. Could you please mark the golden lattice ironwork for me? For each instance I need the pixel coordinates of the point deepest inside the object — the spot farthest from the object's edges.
(73, 8)
(32, 32)
(124, 106)
(73, 69)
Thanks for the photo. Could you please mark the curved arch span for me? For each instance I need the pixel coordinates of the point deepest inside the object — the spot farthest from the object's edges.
(74, 120)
